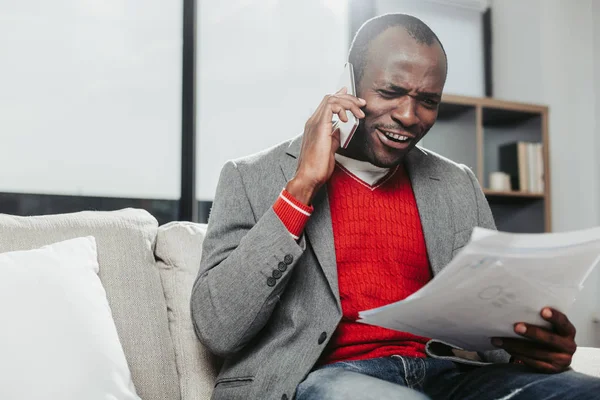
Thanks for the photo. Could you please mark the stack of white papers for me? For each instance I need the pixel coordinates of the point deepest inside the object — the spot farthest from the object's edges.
(495, 281)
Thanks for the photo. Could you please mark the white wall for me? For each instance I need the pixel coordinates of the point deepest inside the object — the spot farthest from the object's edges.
(263, 68)
(596, 24)
(517, 57)
(596, 38)
(459, 30)
(543, 53)
(90, 97)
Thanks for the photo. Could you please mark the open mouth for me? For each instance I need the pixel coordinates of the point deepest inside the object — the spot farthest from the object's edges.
(394, 137)
(394, 140)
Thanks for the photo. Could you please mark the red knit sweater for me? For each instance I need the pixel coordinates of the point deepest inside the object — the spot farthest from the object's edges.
(381, 258)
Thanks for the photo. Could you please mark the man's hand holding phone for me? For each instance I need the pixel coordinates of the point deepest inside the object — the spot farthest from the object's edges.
(319, 144)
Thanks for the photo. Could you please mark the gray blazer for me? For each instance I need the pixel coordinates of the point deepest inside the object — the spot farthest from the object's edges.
(270, 331)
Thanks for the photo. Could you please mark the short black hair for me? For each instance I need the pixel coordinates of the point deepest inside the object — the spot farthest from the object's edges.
(375, 26)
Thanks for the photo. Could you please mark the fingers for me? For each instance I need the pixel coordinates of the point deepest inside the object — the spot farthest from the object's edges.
(358, 113)
(543, 336)
(535, 355)
(340, 111)
(353, 103)
(348, 99)
(332, 104)
(524, 348)
(349, 103)
(559, 321)
(547, 350)
(520, 347)
(560, 338)
(538, 365)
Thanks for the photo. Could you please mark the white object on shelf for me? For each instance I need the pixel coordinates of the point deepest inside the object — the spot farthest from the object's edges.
(500, 181)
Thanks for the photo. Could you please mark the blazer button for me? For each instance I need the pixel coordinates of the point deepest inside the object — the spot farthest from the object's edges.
(288, 259)
(271, 281)
(276, 274)
(322, 337)
(282, 266)
(284, 397)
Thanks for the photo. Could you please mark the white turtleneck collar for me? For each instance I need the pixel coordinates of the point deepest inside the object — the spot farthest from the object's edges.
(363, 170)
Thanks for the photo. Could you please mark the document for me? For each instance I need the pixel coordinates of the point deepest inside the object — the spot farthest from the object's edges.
(495, 281)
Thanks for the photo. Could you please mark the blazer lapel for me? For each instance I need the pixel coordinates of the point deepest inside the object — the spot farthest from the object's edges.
(434, 208)
(318, 230)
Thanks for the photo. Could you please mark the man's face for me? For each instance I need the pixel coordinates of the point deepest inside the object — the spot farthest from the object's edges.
(402, 84)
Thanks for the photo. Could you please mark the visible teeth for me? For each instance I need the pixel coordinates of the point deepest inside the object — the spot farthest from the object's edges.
(397, 137)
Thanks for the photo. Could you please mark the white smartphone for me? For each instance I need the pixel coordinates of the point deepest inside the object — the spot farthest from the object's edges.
(346, 129)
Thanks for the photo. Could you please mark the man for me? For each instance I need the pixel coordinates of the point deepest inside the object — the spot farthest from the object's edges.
(285, 272)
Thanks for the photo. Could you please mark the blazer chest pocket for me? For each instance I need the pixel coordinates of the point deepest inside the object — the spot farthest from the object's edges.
(234, 381)
(461, 238)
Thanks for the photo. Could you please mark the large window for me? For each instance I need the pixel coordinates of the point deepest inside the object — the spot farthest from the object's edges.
(90, 102)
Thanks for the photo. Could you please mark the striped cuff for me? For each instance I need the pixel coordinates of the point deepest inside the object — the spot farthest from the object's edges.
(292, 213)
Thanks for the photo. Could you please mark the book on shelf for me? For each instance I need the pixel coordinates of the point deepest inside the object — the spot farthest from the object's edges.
(540, 167)
(524, 162)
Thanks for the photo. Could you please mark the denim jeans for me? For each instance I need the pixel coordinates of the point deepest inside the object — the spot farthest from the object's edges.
(405, 378)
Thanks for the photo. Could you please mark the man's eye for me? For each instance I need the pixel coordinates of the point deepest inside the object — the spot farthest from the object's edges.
(387, 94)
(430, 102)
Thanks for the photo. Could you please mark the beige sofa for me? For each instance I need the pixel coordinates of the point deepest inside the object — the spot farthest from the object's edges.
(148, 272)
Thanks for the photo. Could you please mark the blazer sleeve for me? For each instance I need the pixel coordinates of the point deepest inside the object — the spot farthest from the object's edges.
(237, 288)
(485, 219)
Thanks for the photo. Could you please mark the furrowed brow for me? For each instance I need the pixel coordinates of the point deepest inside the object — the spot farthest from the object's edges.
(430, 94)
(400, 89)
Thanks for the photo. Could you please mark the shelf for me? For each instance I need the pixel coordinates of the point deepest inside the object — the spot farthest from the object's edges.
(471, 130)
(498, 116)
(495, 112)
(527, 195)
(487, 102)
(449, 111)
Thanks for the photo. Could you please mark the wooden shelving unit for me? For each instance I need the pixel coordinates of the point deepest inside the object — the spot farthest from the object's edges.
(471, 129)
(513, 193)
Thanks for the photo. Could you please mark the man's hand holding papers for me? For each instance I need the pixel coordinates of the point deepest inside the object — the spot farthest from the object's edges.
(497, 285)
(547, 350)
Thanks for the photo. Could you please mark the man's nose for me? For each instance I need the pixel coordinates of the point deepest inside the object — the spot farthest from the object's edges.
(405, 111)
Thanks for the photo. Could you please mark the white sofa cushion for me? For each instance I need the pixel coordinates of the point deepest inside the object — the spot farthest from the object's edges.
(178, 252)
(125, 241)
(59, 337)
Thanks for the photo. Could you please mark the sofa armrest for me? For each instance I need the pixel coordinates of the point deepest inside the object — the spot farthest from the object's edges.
(178, 252)
(587, 361)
